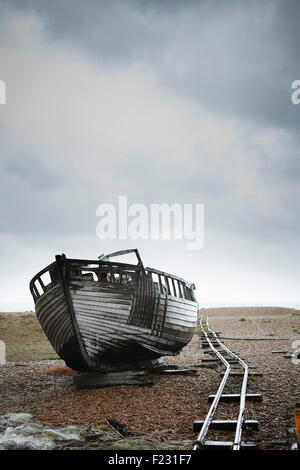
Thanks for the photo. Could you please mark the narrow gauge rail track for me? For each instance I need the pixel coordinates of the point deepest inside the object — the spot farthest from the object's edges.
(225, 355)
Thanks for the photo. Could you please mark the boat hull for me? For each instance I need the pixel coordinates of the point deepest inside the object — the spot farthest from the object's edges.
(103, 325)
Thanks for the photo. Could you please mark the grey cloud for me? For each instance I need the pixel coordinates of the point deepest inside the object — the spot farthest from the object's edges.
(115, 32)
(38, 196)
(235, 58)
(32, 171)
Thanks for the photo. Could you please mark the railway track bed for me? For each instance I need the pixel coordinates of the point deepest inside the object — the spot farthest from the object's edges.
(236, 421)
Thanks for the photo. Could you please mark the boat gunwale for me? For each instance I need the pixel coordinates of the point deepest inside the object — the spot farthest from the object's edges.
(81, 262)
(131, 266)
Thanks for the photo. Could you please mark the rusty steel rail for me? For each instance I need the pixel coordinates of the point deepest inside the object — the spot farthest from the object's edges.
(237, 442)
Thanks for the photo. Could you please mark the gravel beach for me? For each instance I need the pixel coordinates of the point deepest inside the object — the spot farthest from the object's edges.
(174, 402)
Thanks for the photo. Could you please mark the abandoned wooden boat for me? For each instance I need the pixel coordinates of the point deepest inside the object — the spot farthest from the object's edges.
(104, 316)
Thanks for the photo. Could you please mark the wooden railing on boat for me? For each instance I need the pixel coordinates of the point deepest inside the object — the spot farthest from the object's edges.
(113, 272)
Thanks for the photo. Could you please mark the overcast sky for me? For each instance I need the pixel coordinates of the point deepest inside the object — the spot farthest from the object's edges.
(165, 102)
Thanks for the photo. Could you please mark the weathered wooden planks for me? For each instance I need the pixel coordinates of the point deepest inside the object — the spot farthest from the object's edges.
(92, 310)
(110, 379)
(52, 313)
